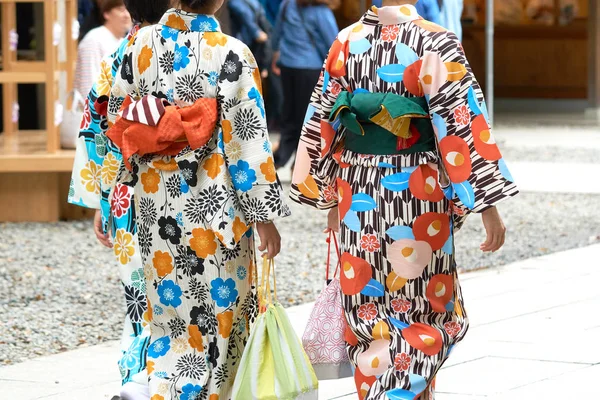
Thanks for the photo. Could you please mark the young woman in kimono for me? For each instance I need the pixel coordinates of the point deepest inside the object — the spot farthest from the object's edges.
(398, 145)
(189, 117)
(93, 183)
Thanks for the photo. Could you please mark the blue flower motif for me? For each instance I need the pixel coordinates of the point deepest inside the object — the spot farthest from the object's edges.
(242, 273)
(250, 233)
(203, 23)
(161, 374)
(243, 176)
(179, 218)
(221, 142)
(267, 146)
(158, 310)
(159, 347)
(191, 392)
(184, 186)
(131, 357)
(169, 293)
(169, 33)
(223, 293)
(170, 94)
(254, 94)
(231, 213)
(182, 57)
(213, 78)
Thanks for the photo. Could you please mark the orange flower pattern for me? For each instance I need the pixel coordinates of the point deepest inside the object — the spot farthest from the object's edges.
(195, 210)
(268, 170)
(163, 263)
(150, 181)
(398, 217)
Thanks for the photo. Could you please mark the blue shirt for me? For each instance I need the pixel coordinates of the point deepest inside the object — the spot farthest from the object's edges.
(291, 35)
(430, 10)
(451, 16)
(271, 9)
(245, 15)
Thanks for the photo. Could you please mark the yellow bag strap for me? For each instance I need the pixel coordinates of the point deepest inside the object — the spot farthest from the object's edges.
(268, 267)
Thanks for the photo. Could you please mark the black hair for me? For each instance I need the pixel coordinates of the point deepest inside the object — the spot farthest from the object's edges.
(196, 4)
(149, 11)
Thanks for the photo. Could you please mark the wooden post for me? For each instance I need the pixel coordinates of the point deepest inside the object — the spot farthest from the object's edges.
(9, 90)
(594, 58)
(51, 63)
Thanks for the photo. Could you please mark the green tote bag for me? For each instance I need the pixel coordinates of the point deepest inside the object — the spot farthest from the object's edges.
(274, 365)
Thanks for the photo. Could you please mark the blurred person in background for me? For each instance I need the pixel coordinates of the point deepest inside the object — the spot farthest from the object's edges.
(271, 9)
(304, 31)
(90, 15)
(451, 14)
(430, 10)
(92, 186)
(249, 23)
(100, 42)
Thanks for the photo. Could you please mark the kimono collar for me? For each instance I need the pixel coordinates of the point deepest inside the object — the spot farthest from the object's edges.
(392, 15)
(184, 21)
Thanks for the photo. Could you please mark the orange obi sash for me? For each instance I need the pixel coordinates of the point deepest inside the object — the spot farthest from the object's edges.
(152, 126)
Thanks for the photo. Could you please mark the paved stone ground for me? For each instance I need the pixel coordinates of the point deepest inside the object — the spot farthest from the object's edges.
(59, 289)
(534, 325)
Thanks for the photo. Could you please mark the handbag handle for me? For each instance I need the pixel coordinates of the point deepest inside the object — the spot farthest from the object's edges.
(337, 250)
(265, 283)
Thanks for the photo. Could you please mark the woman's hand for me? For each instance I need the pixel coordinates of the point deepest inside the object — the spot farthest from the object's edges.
(270, 241)
(102, 237)
(333, 221)
(495, 229)
(262, 37)
(275, 63)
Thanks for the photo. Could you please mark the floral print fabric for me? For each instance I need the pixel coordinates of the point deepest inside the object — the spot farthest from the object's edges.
(94, 174)
(195, 210)
(399, 281)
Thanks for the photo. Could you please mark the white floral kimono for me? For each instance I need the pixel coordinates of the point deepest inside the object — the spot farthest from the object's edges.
(195, 209)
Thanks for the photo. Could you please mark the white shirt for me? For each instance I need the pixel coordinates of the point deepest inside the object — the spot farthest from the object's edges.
(97, 44)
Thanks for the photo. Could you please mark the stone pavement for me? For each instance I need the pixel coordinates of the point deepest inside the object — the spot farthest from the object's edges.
(534, 331)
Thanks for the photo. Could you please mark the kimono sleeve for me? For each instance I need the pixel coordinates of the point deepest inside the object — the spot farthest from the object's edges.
(89, 157)
(245, 139)
(316, 170)
(477, 173)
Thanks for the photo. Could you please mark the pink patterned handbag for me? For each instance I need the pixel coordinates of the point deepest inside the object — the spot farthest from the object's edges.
(323, 338)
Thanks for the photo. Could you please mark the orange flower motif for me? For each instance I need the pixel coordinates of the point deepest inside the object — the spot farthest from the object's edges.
(390, 33)
(462, 115)
(163, 263)
(150, 367)
(401, 305)
(225, 323)
(370, 243)
(220, 237)
(214, 39)
(227, 129)
(162, 165)
(214, 397)
(268, 170)
(148, 313)
(195, 339)
(150, 181)
(213, 165)
(203, 242)
(239, 229)
(144, 59)
(176, 22)
(257, 80)
(368, 312)
(157, 397)
(402, 362)
(452, 328)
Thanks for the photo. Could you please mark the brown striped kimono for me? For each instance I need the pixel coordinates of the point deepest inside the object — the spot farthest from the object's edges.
(399, 213)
